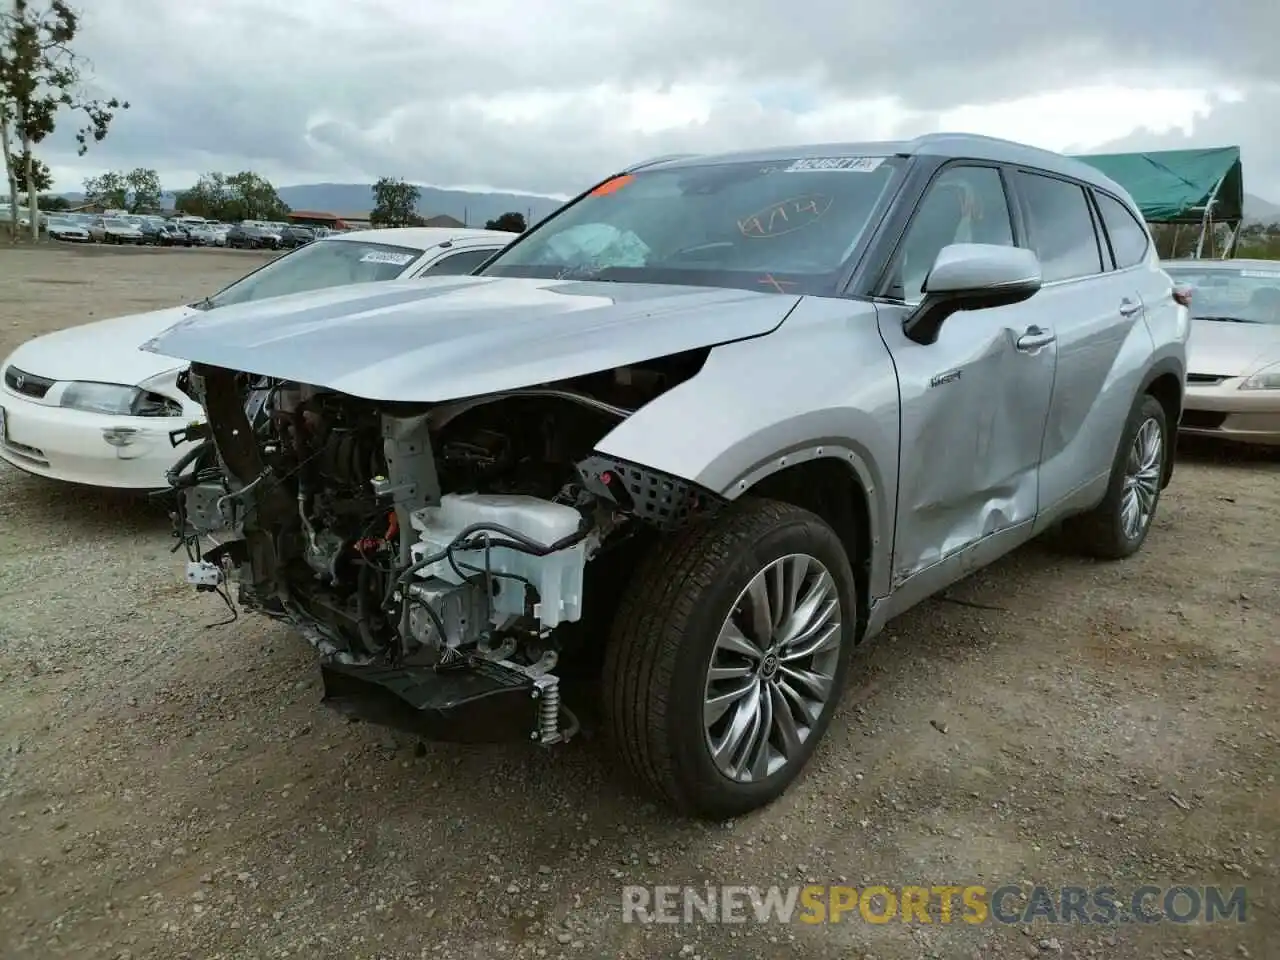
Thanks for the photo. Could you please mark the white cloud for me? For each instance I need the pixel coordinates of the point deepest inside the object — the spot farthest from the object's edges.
(549, 97)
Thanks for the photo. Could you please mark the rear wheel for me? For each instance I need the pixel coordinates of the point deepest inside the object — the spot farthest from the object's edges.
(1119, 525)
(729, 653)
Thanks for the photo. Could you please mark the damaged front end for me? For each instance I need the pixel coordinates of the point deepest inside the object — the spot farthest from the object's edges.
(434, 554)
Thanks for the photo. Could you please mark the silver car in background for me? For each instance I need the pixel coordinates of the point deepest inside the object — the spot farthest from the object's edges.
(684, 444)
(62, 228)
(1233, 375)
(114, 230)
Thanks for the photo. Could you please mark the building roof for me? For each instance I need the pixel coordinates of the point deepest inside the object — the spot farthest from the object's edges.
(443, 220)
(313, 215)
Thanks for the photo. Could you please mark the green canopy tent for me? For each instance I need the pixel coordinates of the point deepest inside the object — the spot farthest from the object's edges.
(1204, 187)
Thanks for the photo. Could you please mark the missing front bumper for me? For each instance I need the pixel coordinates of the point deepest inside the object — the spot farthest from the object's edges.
(472, 702)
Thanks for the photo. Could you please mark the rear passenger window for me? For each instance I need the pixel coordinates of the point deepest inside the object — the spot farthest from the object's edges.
(1060, 227)
(1128, 237)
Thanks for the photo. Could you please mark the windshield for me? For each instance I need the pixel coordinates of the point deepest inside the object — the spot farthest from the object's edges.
(116, 222)
(324, 263)
(1250, 294)
(777, 226)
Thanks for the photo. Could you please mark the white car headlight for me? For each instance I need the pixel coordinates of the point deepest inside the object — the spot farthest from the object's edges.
(1268, 378)
(118, 400)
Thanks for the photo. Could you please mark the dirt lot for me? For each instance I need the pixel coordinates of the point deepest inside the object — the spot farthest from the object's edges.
(173, 789)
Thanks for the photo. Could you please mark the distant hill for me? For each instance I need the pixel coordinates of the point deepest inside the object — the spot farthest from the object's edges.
(357, 198)
(1257, 210)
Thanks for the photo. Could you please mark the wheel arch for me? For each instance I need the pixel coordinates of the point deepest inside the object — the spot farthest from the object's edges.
(830, 486)
(1166, 382)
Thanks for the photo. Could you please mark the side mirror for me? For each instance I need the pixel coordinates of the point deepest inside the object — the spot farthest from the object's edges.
(972, 276)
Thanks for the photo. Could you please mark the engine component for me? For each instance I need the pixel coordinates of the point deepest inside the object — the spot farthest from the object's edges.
(411, 482)
(322, 548)
(207, 508)
(488, 557)
(460, 609)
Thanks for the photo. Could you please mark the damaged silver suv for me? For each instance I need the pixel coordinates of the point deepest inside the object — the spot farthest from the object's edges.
(674, 452)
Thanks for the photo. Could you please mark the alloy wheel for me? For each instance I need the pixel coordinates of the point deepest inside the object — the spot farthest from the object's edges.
(1142, 479)
(773, 668)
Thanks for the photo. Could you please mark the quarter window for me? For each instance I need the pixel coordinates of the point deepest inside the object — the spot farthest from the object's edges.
(1060, 227)
(1128, 237)
(964, 204)
(457, 264)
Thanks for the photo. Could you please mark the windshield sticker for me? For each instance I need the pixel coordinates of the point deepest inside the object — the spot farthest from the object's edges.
(612, 186)
(828, 164)
(774, 283)
(1261, 274)
(785, 216)
(383, 256)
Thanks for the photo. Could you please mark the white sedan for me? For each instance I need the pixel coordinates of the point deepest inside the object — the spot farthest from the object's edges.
(88, 406)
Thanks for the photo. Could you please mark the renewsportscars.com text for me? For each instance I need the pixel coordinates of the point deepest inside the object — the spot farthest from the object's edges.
(943, 904)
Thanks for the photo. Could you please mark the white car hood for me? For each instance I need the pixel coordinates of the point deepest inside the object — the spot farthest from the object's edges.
(1231, 349)
(106, 351)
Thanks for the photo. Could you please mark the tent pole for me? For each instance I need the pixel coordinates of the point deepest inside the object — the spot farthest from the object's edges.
(1208, 215)
(1233, 240)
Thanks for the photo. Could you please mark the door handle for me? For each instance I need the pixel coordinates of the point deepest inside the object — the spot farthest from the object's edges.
(1034, 338)
(1128, 307)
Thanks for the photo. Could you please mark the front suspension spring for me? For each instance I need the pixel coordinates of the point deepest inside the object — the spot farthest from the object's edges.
(549, 713)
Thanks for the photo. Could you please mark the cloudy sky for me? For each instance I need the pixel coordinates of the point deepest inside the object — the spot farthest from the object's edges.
(549, 96)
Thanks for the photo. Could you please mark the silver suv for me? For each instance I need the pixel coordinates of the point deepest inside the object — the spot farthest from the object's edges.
(679, 448)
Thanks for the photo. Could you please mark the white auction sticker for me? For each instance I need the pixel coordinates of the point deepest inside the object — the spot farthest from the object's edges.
(1261, 274)
(842, 164)
(382, 256)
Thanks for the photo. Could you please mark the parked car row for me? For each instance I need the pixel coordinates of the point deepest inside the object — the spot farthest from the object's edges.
(566, 465)
(184, 231)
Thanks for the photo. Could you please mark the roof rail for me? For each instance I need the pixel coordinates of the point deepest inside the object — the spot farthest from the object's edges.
(662, 159)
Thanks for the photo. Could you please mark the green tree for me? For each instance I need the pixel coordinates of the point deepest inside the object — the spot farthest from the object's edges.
(395, 204)
(109, 190)
(144, 190)
(40, 76)
(511, 221)
(233, 197)
(54, 203)
(41, 178)
(252, 197)
(136, 190)
(208, 198)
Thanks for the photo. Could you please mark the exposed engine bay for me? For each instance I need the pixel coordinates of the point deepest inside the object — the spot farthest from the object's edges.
(410, 543)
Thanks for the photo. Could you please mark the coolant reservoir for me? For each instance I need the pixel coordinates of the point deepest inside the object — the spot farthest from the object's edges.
(557, 577)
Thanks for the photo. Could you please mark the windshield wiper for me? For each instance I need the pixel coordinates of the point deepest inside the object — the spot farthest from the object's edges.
(205, 304)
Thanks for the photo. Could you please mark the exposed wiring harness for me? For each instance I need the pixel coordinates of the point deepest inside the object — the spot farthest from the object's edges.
(473, 537)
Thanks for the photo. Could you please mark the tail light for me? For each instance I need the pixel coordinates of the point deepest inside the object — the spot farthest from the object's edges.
(1182, 295)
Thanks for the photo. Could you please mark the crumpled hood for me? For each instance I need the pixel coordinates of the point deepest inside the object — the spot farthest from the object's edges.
(106, 351)
(450, 337)
(1231, 349)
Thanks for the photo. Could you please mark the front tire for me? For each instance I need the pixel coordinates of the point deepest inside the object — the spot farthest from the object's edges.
(728, 654)
(1119, 525)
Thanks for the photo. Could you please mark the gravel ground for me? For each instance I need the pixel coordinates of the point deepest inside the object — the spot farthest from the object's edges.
(173, 789)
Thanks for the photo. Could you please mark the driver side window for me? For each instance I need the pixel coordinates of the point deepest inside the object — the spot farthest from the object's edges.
(964, 204)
